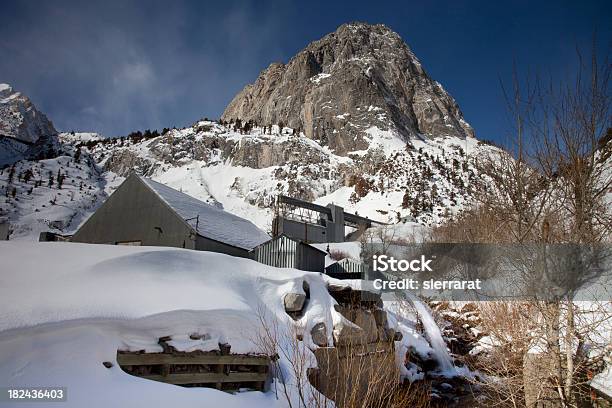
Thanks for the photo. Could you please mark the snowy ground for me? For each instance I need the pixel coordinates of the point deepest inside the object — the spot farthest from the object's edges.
(65, 308)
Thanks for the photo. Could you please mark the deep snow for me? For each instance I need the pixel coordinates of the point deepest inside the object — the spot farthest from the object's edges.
(65, 308)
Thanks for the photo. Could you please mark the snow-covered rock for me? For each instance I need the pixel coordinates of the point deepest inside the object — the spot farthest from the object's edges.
(19, 118)
(358, 77)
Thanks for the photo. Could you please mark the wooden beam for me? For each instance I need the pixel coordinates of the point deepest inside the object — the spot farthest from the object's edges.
(162, 358)
(196, 378)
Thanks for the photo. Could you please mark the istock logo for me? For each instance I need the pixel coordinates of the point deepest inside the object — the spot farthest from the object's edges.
(384, 263)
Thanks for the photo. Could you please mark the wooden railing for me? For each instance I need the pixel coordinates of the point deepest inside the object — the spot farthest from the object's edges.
(224, 372)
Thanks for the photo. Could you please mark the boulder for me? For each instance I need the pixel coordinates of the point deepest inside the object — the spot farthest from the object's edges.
(347, 333)
(318, 333)
(363, 318)
(381, 317)
(294, 302)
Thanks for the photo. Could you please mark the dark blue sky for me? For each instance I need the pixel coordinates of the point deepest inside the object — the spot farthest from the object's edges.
(113, 67)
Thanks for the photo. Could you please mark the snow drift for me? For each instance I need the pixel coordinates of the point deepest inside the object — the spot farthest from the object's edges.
(65, 308)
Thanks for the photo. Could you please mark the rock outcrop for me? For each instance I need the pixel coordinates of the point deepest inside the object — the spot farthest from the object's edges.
(25, 132)
(19, 118)
(359, 77)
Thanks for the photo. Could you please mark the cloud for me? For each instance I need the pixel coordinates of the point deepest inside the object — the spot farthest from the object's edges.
(116, 67)
(137, 75)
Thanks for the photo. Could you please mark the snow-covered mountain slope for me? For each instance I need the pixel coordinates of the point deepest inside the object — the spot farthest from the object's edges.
(55, 194)
(426, 179)
(370, 132)
(79, 137)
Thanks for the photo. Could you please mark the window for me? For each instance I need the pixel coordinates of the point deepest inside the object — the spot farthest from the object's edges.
(130, 243)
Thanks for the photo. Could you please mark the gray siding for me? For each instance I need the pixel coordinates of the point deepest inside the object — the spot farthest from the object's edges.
(346, 266)
(135, 213)
(302, 231)
(284, 252)
(310, 258)
(346, 269)
(206, 244)
(280, 252)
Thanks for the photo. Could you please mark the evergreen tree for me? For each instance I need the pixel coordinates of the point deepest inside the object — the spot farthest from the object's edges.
(27, 175)
(11, 174)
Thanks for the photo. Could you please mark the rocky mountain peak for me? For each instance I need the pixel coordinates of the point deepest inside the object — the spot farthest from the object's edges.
(338, 88)
(19, 118)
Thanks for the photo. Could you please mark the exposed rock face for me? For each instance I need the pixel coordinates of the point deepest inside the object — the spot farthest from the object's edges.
(358, 77)
(123, 162)
(19, 119)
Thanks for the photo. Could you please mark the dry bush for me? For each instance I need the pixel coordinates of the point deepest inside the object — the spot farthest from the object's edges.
(338, 255)
(476, 225)
(350, 376)
(273, 338)
(508, 325)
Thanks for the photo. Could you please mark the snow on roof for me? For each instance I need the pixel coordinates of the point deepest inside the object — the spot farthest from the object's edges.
(212, 223)
(350, 248)
(349, 260)
(285, 236)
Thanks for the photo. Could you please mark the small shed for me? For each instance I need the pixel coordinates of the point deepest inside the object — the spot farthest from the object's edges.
(144, 212)
(346, 268)
(48, 236)
(285, 252)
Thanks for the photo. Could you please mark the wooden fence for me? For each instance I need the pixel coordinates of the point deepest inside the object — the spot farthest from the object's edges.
(197, 369)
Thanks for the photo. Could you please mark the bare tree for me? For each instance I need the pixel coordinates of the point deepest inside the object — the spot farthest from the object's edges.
(550, 188)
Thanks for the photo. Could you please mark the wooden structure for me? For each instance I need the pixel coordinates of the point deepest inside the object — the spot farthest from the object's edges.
(48, 236)
(198, 369)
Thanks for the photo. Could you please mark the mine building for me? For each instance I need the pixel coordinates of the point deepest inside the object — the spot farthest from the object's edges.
(144, 212)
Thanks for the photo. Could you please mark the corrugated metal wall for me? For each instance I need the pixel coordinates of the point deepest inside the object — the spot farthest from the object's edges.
(280, 252)
(346, 269)
(310, 259)
(284, 252)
